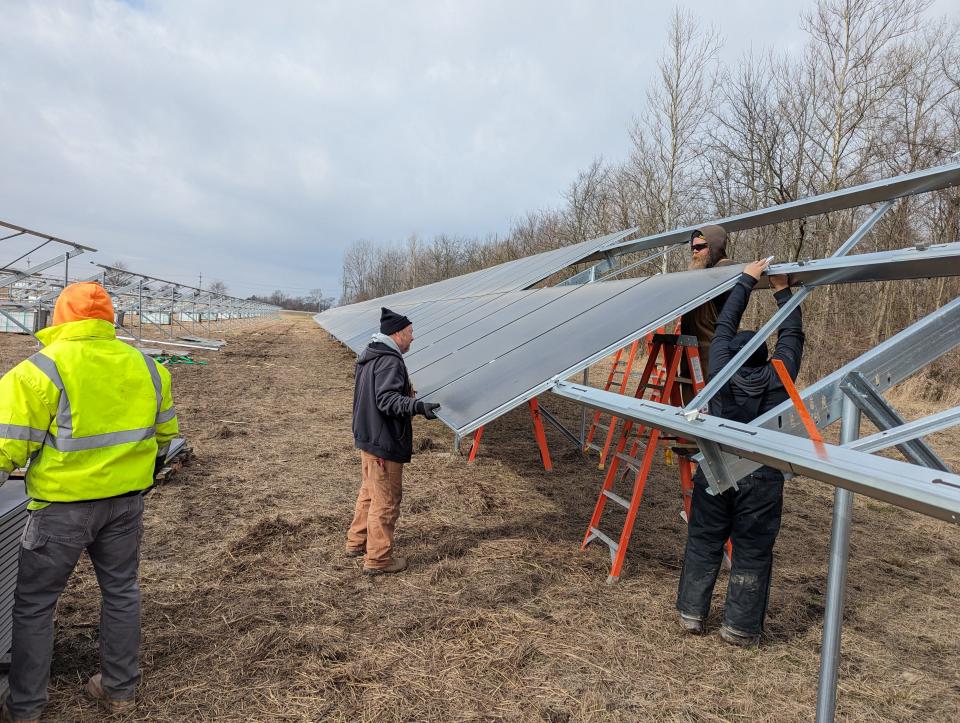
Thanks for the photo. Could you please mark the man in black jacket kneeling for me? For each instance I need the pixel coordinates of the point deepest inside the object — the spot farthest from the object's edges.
(384, 402)
(749, 515)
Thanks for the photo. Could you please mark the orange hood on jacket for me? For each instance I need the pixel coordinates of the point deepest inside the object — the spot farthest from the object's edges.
(85, 300)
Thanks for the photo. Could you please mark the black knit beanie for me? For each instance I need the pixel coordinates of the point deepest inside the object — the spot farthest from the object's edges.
(391, 322)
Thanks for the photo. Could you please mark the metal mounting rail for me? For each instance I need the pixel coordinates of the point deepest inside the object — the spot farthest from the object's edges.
(930, 492)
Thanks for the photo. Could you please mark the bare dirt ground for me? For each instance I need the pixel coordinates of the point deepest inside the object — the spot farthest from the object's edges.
(250, 611)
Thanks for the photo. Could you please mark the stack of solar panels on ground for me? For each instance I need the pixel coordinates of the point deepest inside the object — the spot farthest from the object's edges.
(13, 518)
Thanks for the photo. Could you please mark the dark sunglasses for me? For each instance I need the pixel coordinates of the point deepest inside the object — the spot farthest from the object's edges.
(699, 247)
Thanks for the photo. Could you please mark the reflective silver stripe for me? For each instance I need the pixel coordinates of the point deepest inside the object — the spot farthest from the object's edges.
(98, 441)
(21, 433)
(166, 415)
(64, 415)
(155, 376)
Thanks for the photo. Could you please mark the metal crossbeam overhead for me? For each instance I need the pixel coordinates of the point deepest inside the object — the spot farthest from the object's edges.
(909, 184)
(930, 492)
(20, 230)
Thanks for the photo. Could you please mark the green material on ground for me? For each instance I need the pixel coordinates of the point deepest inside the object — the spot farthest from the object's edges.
(169, 359)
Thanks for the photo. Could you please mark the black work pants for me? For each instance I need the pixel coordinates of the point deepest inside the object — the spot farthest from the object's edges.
(750, 517)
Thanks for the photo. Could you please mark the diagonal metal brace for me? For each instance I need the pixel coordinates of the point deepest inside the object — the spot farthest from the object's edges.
(879, 411)
(570, 436)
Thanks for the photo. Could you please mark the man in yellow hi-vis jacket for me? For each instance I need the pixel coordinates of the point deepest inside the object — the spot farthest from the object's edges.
(91, 414)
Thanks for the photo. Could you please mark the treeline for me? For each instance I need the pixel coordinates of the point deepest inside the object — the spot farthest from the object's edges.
(874, 92)
(313, 301)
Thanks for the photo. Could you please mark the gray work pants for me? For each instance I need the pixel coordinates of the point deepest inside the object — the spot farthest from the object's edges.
(55, 536)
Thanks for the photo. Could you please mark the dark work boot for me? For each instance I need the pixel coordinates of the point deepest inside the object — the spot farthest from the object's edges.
(735, 637)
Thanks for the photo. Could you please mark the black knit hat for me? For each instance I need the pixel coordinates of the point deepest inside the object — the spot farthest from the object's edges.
(391, 322)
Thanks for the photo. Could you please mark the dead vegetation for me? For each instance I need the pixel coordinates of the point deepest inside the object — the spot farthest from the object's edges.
(251, 612)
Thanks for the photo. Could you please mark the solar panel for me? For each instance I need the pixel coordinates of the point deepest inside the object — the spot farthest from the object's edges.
(501, 361)
(13, 518)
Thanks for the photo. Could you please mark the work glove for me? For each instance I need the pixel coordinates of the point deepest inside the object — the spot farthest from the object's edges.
(427, 409)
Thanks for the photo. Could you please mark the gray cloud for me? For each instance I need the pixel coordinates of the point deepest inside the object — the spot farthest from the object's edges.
(253, 141)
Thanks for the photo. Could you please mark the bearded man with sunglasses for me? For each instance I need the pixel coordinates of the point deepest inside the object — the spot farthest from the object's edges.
(708, 248)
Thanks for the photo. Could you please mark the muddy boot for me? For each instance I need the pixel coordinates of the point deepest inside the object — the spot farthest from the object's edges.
(94, 689)
(691, 624)
(355, 552)
(397, 564)
(7, 717)
(735, 637)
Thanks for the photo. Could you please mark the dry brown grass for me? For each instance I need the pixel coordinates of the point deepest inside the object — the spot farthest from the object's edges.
(251, 612)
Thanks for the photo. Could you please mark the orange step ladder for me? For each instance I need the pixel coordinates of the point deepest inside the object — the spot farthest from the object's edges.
(671, 347)
(621, 367)
(538, 433)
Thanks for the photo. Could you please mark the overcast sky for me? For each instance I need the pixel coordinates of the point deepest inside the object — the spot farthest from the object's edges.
(252, 142)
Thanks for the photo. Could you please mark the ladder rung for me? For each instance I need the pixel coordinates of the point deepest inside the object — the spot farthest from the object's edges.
(624, 503)
(631, 461)
(600, 536)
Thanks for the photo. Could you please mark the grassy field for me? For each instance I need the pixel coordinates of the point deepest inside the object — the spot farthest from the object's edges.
(252, 613)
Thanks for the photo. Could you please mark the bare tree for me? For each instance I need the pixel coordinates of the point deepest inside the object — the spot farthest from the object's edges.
(218, 287)
(117, 275)
(665, 138)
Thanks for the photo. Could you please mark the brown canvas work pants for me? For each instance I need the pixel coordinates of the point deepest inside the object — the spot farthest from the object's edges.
(377, 509)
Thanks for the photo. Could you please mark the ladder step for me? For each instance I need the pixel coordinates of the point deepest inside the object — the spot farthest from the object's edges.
(600, 536)
(628, 460)
(625, 504)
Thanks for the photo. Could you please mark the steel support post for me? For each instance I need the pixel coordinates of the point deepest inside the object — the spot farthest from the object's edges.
(583, 411)
(836, 578)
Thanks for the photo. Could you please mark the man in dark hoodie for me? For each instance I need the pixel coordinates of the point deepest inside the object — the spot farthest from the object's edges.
(749, 515)
(384, 402)
(708, 248)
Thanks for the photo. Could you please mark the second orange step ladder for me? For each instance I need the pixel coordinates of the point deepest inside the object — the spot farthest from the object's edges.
(672, 347)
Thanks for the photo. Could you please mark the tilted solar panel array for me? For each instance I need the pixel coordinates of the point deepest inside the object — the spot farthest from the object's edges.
(354, 324)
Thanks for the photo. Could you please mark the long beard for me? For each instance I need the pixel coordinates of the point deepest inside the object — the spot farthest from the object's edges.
(698, 262)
